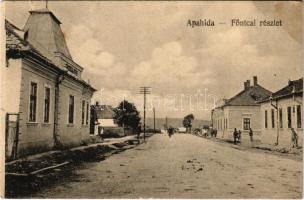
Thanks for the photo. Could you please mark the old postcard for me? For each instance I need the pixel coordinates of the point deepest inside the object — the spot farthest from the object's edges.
(152, 99)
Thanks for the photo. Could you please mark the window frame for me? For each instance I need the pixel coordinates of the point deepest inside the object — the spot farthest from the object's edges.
(289, 117)
(47, 87)
(87, 113)
(29, 104)
(73, 118)
(83, 103)
(266, 119)
(299, 116)
(272, 119)
(246, 123)
(281, 117)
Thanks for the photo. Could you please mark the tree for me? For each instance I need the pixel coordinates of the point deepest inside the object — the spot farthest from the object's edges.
(127, 115)
(187, 122)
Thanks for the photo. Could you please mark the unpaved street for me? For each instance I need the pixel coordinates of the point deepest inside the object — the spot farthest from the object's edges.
(183, 166)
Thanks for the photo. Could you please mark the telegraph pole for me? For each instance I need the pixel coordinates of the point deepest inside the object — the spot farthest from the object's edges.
(145, 91)
(154, 119)
(166, 123)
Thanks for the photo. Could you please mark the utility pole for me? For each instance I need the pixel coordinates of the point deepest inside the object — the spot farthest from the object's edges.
(154, 119)
(166, 123)
(145, 91)
(277, 120)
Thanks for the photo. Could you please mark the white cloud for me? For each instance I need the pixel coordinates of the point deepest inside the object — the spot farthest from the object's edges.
(169, 69)
(88, 51)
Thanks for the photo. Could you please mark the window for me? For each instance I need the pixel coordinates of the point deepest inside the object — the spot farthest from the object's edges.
(47, 98)
(33, 102)
(272, 118)
(71, 109)
(289, 117)
(246, 123)
(87, 116)
(281, 117)
(299, 117)
(266, 122)
(224, 123)
(82, 112)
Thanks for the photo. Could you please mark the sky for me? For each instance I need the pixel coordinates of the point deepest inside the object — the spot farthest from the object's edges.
(124, 45)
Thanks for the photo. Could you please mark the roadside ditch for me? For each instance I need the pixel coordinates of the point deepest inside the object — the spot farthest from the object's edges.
(27, 175)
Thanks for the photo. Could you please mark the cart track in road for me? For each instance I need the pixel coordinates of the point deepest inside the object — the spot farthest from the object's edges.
(183, 166)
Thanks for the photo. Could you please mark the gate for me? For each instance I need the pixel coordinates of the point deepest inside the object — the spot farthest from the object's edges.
(11, 135)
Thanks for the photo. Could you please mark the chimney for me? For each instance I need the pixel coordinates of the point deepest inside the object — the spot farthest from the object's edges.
(248, 83)
(255, 80)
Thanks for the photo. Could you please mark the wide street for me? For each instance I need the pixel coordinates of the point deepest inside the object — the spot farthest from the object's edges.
(183, 166)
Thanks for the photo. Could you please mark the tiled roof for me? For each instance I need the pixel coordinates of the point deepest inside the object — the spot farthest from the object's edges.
(293, 87)
(248, 97)
(14, 41)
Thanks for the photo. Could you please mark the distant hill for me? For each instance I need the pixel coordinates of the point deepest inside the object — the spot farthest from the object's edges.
(174, 122)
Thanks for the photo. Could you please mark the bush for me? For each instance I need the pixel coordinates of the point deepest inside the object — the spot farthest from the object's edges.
(110, 134)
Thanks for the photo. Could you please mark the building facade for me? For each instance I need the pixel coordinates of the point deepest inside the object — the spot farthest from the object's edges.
(281, 112)
(241, 111)
(44, 87)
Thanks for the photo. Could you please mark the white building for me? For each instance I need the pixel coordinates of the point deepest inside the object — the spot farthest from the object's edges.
(281, 112)
(241, 111)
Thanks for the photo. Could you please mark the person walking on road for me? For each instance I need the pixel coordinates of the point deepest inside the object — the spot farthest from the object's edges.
(294, 138)
(170, 131)
(251, 135)
(235, 133)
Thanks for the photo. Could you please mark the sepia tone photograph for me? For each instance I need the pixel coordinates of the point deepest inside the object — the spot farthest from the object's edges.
(152, 99)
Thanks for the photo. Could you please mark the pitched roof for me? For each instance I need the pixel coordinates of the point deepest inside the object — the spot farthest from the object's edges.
(293, 87)
(14, 41)
(249, 96)
(104, 112)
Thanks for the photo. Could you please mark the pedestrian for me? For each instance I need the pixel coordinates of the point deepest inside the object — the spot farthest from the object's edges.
(235, 134)
(239, 135)
(204, 132)
(251, 135)
(294, 138)
(170, 131)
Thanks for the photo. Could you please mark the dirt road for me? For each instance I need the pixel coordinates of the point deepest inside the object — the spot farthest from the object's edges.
(183, 166)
